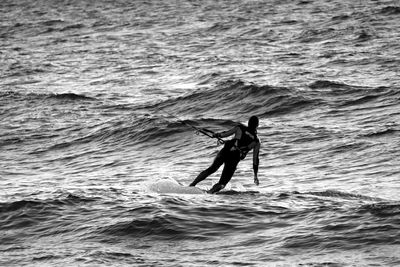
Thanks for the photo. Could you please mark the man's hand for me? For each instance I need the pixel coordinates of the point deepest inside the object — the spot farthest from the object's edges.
(216, 135)
(256, 181)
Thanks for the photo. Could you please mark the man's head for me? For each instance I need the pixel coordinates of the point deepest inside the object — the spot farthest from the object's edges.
(253, 123)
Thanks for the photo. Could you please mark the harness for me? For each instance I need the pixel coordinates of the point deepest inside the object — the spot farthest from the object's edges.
(244, 141)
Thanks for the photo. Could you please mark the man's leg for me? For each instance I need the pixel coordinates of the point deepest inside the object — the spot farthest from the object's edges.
(218, 161)
(227, 173)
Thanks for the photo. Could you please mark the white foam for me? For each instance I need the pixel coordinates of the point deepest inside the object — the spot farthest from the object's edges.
(171, 186)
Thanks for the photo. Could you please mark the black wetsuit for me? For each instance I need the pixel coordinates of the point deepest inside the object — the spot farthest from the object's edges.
(230, 155)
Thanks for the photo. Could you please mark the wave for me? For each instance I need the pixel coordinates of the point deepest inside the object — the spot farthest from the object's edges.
(155, 130)
(38, 217)
(237, 97)
(390, 10)
(152, 122)
(341, 195)
(331, 87)
(48, 109)
(382, 132)
(320, 225)
(53, 22)
(177, 219)
(149, 124)
(59, 26)
(349, 146)
(315, 35)
(69, 96)
(47, 26)
(161, 227)
(341, 17)
(337, 31)
(36, 204)
(360, 100)
(18, 96)
(341, 94)
(345, 223)
(323, 84)
(73, 27)
(382, 209)
(343, 236)
(219, 27)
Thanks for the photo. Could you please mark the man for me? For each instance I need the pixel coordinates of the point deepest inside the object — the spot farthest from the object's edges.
(234, 150)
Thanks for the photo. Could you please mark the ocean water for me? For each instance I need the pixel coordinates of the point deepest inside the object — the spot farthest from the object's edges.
(86, 93)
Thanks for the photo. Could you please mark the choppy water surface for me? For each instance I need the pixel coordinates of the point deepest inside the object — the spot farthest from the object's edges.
(86, 89)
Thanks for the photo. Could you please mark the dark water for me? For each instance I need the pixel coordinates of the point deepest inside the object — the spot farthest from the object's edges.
(86, 88)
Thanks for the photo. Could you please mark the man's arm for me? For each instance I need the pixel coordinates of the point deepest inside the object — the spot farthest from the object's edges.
(234, 130)
(256, 161)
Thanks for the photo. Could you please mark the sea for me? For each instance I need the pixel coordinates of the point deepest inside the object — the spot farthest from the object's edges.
(97, 103)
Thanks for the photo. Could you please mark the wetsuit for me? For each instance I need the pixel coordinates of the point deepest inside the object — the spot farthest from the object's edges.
(233, 151)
